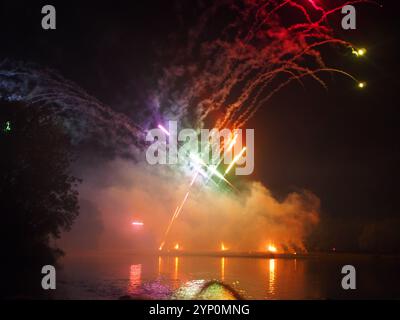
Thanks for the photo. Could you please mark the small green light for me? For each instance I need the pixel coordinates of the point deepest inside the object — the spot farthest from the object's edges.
(7, 128)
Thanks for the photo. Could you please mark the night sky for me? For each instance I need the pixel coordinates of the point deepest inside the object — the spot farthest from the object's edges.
(342, 143)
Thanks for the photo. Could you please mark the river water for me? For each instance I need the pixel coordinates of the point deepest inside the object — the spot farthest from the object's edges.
(158, 277)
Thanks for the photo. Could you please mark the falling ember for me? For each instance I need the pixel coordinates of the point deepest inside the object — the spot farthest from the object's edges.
(271, 248)
(362, 85)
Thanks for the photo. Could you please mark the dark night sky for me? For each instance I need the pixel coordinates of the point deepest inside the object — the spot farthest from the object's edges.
(341, 144)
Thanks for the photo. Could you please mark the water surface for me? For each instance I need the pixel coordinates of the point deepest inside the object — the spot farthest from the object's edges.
(157, 277)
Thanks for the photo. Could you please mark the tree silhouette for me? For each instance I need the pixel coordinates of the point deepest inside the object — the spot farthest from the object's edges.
(38, 193)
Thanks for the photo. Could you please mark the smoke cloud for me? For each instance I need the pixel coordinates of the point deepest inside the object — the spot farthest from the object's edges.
(244, 221)
(221, 74)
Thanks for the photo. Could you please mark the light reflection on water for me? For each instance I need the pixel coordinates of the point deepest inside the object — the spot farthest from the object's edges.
(271, 274)
(223, 269)
(156, 277)
(135, 277)
(176, 268)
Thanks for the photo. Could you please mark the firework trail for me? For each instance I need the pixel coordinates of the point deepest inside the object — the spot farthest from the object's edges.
(84, 117)
(212, 170)
(259, 52)
(254, 57)
(221, 78)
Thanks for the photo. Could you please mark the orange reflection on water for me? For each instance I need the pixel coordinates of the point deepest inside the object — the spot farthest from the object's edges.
(135, 277)
(223, 268)
(272, 276)
(176, 268)
(159, 265)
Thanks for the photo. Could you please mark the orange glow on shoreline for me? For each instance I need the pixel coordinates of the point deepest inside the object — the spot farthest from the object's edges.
(272, 248)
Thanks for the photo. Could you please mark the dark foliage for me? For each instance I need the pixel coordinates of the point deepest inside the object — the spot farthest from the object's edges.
(38, 194)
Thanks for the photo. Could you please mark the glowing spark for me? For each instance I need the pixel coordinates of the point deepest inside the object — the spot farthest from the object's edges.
(194, 178)
(174, 217)
(223, 248)
(215, 172)
(176, 246)
(183, 203)
(197, 159)
(211, 169)
(362, 85)
(272, 248)
(169, 227)
(235, 160)
(233, 142)
(163, 129)
(138, 223)
(360, 52)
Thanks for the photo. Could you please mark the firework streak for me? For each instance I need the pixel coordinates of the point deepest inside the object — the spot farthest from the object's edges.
(255, 56)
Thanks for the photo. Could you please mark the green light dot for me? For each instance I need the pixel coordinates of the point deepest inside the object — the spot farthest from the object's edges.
(7, 127)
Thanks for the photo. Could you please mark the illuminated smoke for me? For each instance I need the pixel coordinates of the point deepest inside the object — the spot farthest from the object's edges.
(245, 221)
(221, 80)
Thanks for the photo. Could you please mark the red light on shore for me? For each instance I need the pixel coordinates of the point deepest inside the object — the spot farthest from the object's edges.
(138, 223)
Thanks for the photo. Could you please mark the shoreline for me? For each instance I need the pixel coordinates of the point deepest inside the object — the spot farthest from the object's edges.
(235, 254)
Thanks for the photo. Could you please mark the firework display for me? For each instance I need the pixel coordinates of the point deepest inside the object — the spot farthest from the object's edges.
(199, 150)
